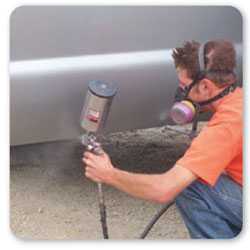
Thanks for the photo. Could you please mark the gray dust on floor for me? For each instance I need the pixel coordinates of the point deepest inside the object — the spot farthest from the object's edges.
(51, 199)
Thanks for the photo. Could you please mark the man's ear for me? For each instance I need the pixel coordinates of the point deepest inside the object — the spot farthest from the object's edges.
(206, 86)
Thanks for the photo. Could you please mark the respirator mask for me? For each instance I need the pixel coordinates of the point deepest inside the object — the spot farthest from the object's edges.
(185, 110)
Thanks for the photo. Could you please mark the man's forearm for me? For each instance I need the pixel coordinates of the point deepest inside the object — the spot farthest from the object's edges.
(143, 186)
(154, 187)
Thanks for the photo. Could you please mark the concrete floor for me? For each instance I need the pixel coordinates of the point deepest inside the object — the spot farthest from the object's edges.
(51, 198)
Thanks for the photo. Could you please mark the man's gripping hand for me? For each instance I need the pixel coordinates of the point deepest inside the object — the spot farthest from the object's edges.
(98, 168)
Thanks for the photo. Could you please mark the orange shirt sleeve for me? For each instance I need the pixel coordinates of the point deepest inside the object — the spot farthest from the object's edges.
(212, 150)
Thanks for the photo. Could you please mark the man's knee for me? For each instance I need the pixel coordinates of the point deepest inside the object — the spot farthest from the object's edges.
(184, 200)
(190, 197)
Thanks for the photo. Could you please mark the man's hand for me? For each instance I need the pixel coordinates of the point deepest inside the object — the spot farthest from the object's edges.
(98, 167)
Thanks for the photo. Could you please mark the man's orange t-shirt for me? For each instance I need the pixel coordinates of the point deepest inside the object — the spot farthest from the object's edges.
(218, 147)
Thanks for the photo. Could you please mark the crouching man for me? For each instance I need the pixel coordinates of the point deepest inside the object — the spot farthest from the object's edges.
(207, 181)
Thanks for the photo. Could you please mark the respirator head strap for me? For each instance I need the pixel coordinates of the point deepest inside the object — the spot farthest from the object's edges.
(223, 93)
(185, 91)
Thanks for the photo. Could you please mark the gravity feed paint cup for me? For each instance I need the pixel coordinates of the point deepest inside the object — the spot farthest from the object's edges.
(97, 105)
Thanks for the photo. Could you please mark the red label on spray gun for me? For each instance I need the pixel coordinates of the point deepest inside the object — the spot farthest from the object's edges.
(93, 115)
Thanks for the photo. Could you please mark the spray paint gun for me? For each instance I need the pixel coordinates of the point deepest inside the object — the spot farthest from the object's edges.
(93, 118)
(94, 115)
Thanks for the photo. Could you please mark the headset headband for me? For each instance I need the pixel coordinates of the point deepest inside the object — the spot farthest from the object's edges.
(201, 57)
